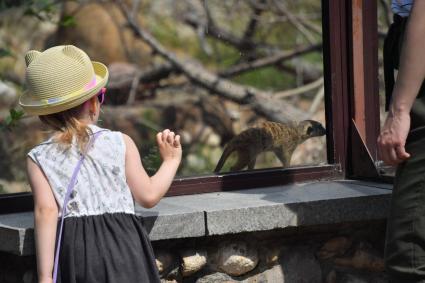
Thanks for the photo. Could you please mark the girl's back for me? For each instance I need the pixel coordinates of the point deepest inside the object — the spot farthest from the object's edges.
(101, 185)
(102, 239)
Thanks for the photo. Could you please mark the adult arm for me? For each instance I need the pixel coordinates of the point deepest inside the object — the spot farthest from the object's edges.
(411, 74)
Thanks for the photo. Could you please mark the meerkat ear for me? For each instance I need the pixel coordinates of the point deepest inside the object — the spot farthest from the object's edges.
(30, 56)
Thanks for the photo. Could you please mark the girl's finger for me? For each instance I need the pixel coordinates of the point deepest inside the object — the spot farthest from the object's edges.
(177, 141)
(165, 135)
(159, 138)
(170, 137)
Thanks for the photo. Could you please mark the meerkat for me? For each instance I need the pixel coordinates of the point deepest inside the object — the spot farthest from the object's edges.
(280, 138)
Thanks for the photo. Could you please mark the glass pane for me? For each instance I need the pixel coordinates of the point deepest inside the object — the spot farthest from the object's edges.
(231, 77)
(385, 18)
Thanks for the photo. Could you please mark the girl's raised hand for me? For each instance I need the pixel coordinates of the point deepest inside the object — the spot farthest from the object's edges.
(169, 145)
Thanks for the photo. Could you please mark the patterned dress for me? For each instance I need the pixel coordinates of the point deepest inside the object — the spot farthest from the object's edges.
(103, 240)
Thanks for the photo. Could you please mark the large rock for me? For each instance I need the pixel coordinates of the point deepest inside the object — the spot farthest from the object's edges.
(237, 258)
(334, 247)
(8, 95)
(216, 278)
(192, 261)
(164, 260)
(300, 266)
(100, 30)
(363, 258)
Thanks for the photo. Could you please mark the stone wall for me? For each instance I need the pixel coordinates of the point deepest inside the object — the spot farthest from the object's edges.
(345, 253)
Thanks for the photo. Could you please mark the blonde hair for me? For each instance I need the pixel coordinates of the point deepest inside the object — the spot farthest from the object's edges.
(68, 125)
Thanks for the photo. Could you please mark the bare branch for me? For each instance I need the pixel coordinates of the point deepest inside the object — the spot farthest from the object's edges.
(261, 102)
(281, 7)
(257, 8)
(387, 11)
(317, 100)
(270, 60)
(300, 90)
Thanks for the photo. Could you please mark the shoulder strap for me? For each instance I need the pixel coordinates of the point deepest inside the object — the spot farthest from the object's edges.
(66, 199)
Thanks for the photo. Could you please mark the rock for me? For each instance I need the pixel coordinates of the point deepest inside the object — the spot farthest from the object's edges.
(217, 277)
(13, 187)
(93, 19)
(119, 85)
(192, 261)
(163, 260)
(274, 274)
(168, 281)
(334, 247)
(237, 258)
(299, 265)
(344, 277)
(8, 95)
(270, 255)
(195, 161)
(362, 259)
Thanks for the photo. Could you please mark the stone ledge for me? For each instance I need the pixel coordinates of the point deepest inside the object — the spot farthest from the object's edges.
(239, 211)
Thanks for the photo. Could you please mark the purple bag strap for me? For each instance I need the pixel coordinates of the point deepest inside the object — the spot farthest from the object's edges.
(66, 199)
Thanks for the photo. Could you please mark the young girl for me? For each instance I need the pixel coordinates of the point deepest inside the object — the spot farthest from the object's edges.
(102, 239)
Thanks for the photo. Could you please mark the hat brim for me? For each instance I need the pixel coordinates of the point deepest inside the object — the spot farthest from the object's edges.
(34, 106)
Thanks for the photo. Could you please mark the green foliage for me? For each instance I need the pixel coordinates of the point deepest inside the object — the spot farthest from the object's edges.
(44, 10)
(11, 121)
(151, 159)
(5, 52)
(267, 78)
(2, 189)
(68, 21)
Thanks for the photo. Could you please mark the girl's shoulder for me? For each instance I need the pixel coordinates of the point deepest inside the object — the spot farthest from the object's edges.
(108, 135)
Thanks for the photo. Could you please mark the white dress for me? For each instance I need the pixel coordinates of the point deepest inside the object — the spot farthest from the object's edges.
(103, 240)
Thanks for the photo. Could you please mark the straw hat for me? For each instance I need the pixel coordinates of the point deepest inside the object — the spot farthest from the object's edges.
(60, 78)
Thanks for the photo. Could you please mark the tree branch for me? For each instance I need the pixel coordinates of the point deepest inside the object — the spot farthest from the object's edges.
(302, 89)
(261, 102)
(267, 61)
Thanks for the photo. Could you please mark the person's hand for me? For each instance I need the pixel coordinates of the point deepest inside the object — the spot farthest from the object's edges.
(392, 140)
(169, 145)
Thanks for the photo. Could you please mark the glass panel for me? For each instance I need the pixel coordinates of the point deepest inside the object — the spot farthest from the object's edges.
(385, 18)
(231, 77)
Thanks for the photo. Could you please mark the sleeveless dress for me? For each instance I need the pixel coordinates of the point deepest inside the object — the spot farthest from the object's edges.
(103, 241)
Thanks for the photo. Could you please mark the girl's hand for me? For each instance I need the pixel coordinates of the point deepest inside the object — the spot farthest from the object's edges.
(169, 146)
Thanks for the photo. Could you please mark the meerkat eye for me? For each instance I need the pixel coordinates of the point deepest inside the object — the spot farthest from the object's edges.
(310, 130)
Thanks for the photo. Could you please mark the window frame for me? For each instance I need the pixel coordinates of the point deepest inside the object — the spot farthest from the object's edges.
(344, 24)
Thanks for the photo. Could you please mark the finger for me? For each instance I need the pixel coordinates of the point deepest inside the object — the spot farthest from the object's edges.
(177, 141)
(385, 154)
(392, 155)
(159, 138)
(401, 153)
(170, 137)
(165, 135)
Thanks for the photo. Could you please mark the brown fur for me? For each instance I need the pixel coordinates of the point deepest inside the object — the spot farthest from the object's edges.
(280, 138)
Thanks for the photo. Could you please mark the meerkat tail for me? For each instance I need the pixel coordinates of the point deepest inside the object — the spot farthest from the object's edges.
(227, 151)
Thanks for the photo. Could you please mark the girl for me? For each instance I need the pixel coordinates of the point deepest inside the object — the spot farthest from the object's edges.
(102, 238)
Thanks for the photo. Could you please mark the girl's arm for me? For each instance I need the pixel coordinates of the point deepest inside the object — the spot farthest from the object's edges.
(45, 220)
(148, 191)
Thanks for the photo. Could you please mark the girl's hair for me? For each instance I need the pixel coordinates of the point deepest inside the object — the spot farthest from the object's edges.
(69, 126)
